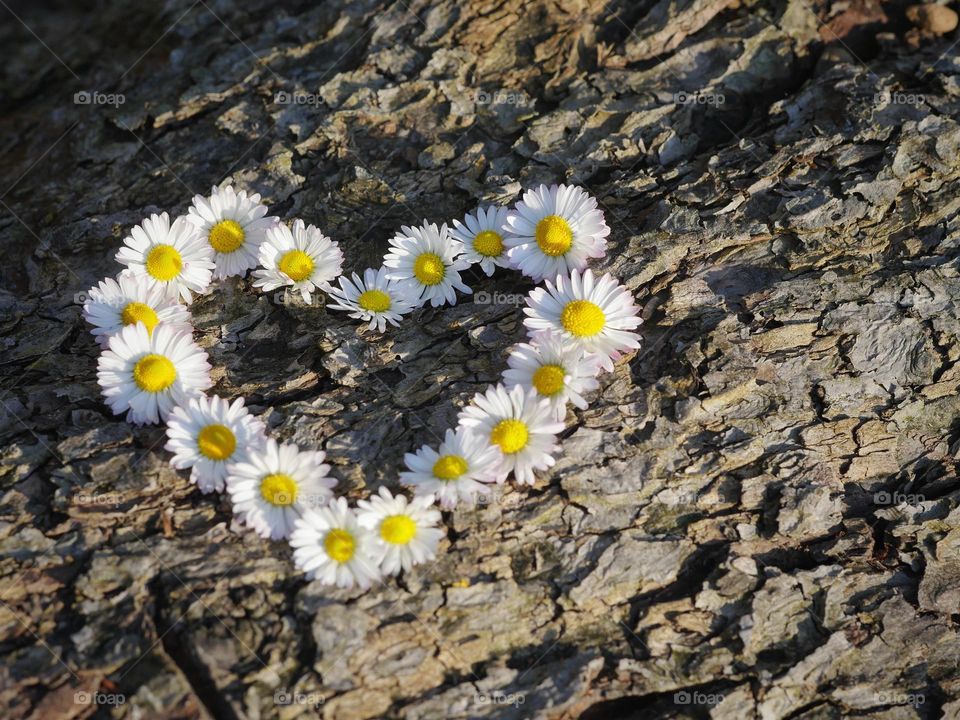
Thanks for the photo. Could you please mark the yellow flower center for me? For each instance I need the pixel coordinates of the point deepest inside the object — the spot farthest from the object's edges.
(398, 529)
(374, 301)
(548, 379)
(216, 442)
(511, 435)
(339, 545)
(296, 265)
(139, 312)
(164, 262)
(449, 467)
(429, 268)
(582, 318)
(279, 489)
(554, 235)
(488, 243)
(154, 373)
(226, 236)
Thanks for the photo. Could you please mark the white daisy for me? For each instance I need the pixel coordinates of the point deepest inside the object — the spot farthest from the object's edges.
(374, 298)
(331, 546)
(405, 534)
(275, 485)
(556, 368)
(555, 230)
(148, 374)
(127, 300)
(234, 224)
(303, 258)
(459, 471)
(597, 315)
(482, 237)
(429, 261)
(209, 432)
(176, 258)
(520, 423)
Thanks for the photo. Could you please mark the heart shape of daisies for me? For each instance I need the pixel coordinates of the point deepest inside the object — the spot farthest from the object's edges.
(152, 370)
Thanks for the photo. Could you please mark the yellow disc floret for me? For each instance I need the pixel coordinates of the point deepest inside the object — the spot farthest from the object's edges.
(164, 262)
(216, 442)
(374, 301)
(339, 545)
(154, 373)
(398, 529)
(582, 318)
(429, 268)
(296, 265)
(449, 467)
(548, 379)
(511, 435)
(226, 236)
(488, 243)
(554, 235)
(279, 489)
(139, 312)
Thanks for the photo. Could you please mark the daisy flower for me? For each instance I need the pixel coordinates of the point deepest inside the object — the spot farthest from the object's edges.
(375, 298)
(303, 259)
(147, 374)
(114, 304)
(207, 433)
(458, 471)
(482, 238)
(556, 368)
(330, 545)
(405, 534)
(233, 224)
(429, 261)
(555, 230)
(274, 485)
(596, 315)
(176, 258)
(518, 422)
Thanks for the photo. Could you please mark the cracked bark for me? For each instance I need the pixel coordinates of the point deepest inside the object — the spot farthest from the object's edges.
(758, 510)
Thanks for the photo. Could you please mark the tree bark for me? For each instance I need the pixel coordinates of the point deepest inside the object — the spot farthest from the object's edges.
(756, 517)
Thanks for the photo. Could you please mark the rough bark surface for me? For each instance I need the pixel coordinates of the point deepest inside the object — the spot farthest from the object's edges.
(757, 516)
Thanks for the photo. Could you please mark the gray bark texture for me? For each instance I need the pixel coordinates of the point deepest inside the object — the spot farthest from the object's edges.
(757, 517)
